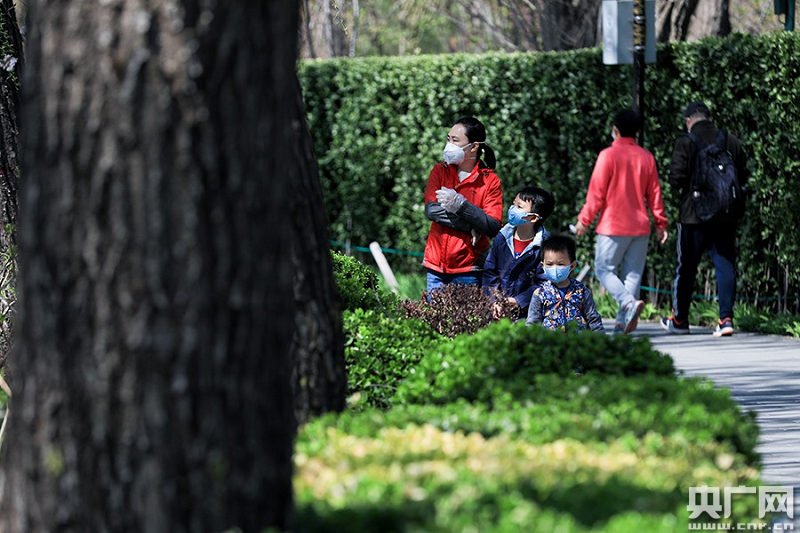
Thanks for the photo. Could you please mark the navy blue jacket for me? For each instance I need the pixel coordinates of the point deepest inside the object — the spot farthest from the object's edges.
(517, 277)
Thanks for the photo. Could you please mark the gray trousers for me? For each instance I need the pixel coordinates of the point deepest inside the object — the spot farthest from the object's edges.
(619, 264)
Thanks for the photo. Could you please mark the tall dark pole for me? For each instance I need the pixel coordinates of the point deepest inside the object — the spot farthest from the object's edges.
(789, 24)
(639, 25)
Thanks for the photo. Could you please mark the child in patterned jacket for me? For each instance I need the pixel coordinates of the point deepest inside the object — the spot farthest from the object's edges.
(560, 299)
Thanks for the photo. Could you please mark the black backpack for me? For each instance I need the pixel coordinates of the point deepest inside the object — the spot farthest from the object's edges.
(716, 192)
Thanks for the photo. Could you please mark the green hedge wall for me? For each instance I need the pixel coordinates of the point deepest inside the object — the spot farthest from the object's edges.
(379, 125)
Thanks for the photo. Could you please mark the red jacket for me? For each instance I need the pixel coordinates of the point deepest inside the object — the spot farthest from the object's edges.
(449, 249)
(624, 176)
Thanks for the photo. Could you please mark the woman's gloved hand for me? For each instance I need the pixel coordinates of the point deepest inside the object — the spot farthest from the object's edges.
(449, 199)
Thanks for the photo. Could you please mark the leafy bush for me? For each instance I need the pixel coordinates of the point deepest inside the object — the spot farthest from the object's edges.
(420, 478)
(594, 408)
(504, 359)
(751, 319)
(457, 308)
(358, 285)
(379, 126)
(379, 352)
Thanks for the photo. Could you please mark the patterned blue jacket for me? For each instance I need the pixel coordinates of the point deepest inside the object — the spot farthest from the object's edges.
(553, 309)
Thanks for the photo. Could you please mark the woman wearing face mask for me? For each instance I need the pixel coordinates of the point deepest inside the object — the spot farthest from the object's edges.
(464, 202)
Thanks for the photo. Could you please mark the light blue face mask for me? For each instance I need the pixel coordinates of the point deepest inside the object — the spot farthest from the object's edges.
(557, 274)
(515, 216)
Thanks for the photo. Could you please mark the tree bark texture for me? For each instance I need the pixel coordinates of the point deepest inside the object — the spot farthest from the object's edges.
(153, 384)
(692, 20)
(323, 33)
(10, 63)
(319, 377)
(567, 25)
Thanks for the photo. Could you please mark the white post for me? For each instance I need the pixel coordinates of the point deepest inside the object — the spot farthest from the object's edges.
(383, 265)
(583, 272)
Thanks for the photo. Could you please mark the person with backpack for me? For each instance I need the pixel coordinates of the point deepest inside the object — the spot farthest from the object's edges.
(623, 186)
(709, 169)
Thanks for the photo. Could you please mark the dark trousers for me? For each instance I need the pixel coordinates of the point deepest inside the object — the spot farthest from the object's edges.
(719, 240)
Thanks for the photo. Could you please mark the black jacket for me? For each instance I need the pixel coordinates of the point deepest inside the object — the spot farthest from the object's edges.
(682, 165)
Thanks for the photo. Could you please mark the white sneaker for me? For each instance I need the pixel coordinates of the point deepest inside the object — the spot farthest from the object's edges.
(632, 313)
(724, 328)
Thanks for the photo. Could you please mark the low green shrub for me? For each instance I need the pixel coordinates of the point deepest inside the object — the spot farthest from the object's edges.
(380, 350)
(593, 408)
(420, 478)
(458, 308)
(358, 285)
(504, 358)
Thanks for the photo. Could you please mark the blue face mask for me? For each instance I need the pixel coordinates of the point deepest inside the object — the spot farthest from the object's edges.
(557, 274)
(515, 215)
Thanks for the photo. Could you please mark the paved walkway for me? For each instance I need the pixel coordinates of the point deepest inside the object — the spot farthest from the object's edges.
(763, 375)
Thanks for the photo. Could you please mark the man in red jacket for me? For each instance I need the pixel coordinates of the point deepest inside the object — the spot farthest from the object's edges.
(624, 185)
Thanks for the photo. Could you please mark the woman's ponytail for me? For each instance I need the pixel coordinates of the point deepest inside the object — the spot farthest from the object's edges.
(489, 158)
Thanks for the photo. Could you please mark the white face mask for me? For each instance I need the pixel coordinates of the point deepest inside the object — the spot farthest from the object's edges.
(452, 154)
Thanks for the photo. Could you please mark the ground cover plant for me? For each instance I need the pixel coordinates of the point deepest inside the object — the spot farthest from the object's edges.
(421, 478)
(494, 431)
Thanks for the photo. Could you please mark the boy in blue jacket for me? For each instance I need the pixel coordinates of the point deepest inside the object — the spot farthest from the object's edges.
(513, 265)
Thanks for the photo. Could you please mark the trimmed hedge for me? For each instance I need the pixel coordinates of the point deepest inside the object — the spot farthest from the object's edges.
(503, 360)
(586, 409)
(392, 471)
(419, 478)
(380, 123)
(380, 351)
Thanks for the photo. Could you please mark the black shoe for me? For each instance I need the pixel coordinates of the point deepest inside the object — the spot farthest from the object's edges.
(673, 326)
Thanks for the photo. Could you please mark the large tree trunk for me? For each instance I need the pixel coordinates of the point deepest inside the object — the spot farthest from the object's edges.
(318, 349)
(691, 20)
(153, 378)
